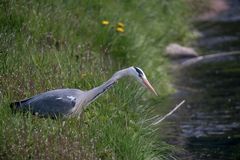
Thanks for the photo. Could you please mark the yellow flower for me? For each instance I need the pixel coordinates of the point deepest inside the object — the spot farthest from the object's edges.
(105, 22)
(83, 75)
(120, 24)
(120, 29)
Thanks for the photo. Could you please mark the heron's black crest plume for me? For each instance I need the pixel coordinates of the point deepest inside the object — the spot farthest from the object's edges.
(140, 73)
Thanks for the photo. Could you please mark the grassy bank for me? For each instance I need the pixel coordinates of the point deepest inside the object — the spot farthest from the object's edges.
(63, 44)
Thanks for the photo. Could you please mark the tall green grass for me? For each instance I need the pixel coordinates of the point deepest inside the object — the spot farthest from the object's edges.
(62, 44)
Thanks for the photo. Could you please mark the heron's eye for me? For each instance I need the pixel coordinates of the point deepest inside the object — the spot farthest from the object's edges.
(140, 73)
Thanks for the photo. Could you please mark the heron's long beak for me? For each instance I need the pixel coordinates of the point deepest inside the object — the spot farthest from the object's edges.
(149, 86)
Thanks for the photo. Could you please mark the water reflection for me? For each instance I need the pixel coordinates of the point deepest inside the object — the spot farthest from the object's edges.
(208, 126)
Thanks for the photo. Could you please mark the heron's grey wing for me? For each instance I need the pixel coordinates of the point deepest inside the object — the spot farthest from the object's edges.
(52, 105)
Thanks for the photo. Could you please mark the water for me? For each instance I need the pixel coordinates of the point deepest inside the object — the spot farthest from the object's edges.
(208, 126)
(210, 122)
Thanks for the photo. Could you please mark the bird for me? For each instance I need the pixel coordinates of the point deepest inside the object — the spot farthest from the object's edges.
(70, 102)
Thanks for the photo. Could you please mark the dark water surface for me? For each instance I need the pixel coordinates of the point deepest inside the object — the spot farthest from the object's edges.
(208, 126)
(209, 123)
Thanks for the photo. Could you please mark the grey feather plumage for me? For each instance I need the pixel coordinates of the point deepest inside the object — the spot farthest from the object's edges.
(59, 102)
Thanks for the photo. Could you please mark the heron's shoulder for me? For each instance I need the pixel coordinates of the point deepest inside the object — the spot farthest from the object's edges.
(59, 93)
(65, 91)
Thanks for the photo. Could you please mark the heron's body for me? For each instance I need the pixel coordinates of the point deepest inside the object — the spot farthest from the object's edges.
(67, 102)
(59, 102)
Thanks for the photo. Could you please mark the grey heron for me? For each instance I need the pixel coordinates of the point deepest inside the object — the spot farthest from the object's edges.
(68, 102)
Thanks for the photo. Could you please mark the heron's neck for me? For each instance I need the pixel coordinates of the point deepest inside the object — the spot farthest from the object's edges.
(94, 93)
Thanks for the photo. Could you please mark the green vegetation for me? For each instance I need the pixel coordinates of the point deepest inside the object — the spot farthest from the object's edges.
(52, 44)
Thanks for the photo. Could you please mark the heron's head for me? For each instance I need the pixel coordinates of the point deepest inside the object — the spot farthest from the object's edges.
(141, 77)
